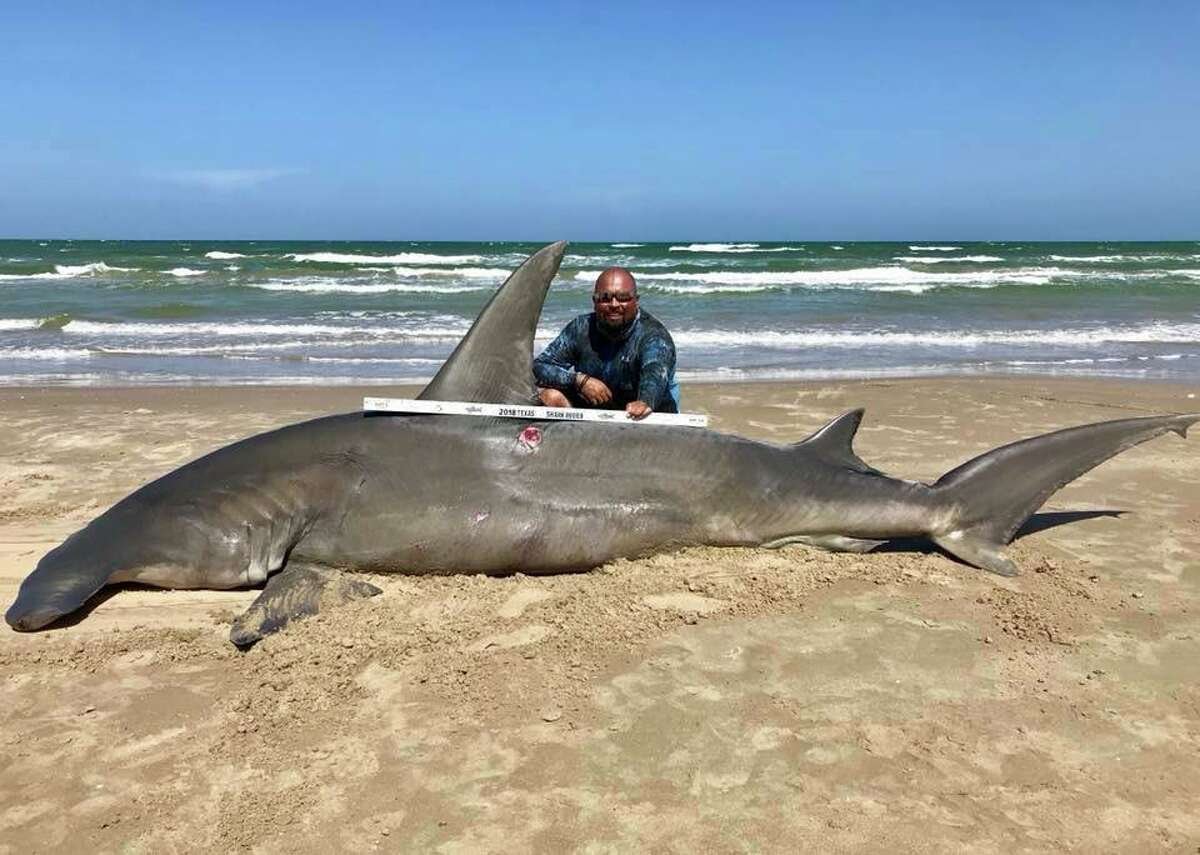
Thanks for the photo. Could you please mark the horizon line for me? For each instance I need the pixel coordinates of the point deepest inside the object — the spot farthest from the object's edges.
(722, 240)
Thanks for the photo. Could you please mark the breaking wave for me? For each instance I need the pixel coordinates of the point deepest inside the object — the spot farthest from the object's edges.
(1147, 333)
(732, 248)
(151, 330)
(92, 269)
(494, 273)
(976, 259)
(877, 278)
(223, 256)
(399, 258)
(71, 271)
(336, 287)
(45, 354)
(1119, 259)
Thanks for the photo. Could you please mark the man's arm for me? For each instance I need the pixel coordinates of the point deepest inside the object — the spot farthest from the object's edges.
(657, 368)
(554, 367)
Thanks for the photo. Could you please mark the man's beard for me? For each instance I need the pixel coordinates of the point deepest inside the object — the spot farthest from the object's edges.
(614, 330)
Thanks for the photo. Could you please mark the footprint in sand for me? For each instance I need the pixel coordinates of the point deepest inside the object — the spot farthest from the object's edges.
(681, 601)
(515, 605)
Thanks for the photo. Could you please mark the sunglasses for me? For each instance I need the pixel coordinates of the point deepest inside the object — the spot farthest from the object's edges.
(614, 298)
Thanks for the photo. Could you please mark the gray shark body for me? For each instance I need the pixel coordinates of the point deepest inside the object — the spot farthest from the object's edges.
(440, 494)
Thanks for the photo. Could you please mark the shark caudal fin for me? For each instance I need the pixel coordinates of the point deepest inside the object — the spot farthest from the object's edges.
(996, 492)
(494, 361)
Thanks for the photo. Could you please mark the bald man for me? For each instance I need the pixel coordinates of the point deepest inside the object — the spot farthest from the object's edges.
(615, 357)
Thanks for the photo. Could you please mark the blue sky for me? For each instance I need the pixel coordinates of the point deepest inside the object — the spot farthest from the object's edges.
(646, 121)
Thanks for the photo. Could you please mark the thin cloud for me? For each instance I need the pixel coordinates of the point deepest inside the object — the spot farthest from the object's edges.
(223, 179)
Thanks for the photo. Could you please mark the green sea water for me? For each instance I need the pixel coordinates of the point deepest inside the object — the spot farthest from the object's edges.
(120, 312)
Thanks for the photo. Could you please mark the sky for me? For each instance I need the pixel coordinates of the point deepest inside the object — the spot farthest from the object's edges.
(601, 121)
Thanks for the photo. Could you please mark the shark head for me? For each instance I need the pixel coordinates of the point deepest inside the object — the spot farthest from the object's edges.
(65, 578)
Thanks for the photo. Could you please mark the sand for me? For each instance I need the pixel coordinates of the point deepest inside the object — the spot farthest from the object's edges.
(712, 700)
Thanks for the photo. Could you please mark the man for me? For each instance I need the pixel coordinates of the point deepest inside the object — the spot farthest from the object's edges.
(616, 357)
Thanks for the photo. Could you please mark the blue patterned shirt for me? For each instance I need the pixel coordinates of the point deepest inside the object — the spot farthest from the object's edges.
(636, 363)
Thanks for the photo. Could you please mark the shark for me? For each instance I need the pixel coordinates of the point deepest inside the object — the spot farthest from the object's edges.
(299, 509)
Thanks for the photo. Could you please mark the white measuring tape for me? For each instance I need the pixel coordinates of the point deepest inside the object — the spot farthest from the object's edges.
(516, 411)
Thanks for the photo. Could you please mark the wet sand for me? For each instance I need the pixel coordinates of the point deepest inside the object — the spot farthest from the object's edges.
(708, 700)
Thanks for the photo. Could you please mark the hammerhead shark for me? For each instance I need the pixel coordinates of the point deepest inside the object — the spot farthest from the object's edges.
(298, 507)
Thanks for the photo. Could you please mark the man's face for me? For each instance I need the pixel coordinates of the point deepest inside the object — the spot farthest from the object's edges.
(615, 302)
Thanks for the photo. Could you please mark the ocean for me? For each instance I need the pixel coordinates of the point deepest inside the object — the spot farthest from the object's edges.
(243, 312)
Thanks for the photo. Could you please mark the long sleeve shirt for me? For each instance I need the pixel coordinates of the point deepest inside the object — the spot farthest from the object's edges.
(636, 363)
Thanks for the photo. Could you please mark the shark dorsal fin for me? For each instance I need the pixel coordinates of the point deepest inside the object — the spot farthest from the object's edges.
(834, 442)
(493, 362)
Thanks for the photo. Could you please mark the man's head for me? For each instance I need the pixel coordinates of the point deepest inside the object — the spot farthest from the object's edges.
(615, 298)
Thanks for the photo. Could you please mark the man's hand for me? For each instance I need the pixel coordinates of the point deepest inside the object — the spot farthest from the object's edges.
(552, 398)
(595, 392)
(637, 409)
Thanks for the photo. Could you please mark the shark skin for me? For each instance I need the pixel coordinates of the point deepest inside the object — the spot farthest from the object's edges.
(424, 494)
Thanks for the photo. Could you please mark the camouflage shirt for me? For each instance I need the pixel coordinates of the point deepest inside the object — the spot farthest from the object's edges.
(637, 363)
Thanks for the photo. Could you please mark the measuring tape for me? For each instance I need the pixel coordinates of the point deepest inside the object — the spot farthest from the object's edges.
(515, 411)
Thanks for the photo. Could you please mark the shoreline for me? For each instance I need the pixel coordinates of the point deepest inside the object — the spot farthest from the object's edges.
(277, 404)
(419, 383)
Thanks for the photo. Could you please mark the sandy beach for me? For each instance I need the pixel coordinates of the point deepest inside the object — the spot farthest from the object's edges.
(710, 700)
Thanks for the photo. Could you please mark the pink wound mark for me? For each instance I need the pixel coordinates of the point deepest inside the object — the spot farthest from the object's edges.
(530, 437)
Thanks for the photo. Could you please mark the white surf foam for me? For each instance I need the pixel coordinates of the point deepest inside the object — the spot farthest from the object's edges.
(381, 360)
(732, 248)
(183, 272)
(500, 273)
(347, 288)
(399, 258)
(934, 248)
(625, 245)
(715, 247)
(71, 271)
(1141, 334)
(252, 329)
(6, 277)
(976, 259)
(19, 323)
(90, 269)
(874, 278)
(223, 256)
(45, 354)
(729, 374)
(1117, 259)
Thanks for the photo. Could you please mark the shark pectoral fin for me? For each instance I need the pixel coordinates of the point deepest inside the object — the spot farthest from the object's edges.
(832, 542)
(296, 591)
(978, 552)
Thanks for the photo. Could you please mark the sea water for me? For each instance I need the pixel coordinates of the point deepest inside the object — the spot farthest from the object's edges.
(134, 312)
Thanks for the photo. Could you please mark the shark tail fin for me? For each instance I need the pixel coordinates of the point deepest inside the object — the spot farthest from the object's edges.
(992, 495)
